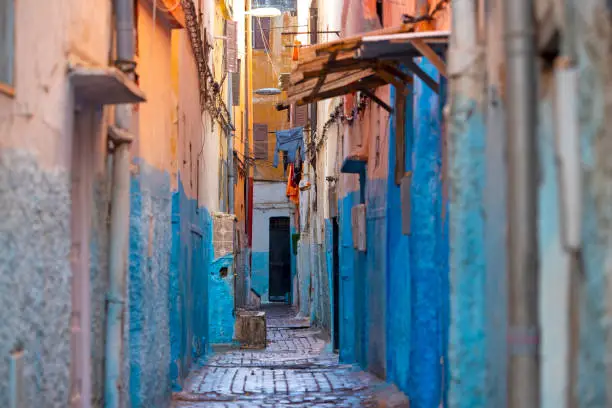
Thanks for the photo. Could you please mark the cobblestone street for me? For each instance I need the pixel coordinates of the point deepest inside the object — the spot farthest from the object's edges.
(297, 369)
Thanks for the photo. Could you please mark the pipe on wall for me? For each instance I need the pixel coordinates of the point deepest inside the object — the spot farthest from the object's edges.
(523, 320)
(120, 213)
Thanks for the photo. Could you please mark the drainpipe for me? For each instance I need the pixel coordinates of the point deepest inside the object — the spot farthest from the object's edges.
(523, 320)
(120, 212)
(248, 85)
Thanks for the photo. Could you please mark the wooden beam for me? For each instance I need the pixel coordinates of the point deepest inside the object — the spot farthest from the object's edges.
(396, 72)
(298, 76)
(376, 99)
(390, 79)
(429, 81)
(400, 137)
(431, 55)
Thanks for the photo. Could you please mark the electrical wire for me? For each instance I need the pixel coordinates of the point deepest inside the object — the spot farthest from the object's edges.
(266, 47)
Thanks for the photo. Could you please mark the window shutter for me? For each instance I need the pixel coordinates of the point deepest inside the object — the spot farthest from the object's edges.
(260, 136)
(7, 39)
(236, 86)
(300, 115)
(231, 47)
(261, 32)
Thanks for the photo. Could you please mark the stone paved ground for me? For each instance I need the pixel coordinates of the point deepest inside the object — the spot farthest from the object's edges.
(295, 370)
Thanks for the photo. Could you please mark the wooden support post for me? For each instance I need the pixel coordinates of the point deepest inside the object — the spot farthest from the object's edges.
(431, 55)
(400, 136)
(429, 81)
(376, 99)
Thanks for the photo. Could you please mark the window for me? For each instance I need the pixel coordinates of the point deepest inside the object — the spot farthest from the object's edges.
(261, 33)
(260, 137)
(7, 45)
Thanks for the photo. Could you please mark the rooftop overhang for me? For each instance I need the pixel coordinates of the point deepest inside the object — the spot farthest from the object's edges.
(365, 62)
(171, 10)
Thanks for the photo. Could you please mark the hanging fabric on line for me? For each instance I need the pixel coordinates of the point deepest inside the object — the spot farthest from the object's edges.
(293, 191)
(289, 141)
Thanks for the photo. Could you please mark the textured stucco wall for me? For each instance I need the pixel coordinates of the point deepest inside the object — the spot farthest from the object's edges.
(595, 116)
(190, 259)
(149, 262)
(467, 347)
(428, 261)
(399, 262)
(35, 277)
(221, 300)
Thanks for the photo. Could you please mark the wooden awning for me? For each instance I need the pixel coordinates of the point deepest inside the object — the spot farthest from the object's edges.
(365, 62)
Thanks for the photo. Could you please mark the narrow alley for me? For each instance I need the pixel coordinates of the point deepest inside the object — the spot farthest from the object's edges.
(297, 369)
(305, 203)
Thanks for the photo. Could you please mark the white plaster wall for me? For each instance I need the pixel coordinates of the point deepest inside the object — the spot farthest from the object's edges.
(269, 200)
(270, 192)
(261, 226)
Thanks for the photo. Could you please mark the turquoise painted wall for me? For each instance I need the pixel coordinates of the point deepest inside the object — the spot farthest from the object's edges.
(147, 325)
(394, 298)
(260, 279)
(190, 258)
(221, 300)
(467, 340)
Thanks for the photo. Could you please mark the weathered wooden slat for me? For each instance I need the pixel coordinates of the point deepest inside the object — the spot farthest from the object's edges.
(310, 52)
(331, 82)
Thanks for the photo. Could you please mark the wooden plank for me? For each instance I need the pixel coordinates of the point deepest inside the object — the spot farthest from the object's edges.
(430, 54)
(400, 137)
(339, 80)
(308, 53)
(369, 83)
(330, 80)
(323, 74)
(341, 63)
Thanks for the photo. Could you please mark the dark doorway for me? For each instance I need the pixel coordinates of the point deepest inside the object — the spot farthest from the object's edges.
(280, 259)
(336, 263)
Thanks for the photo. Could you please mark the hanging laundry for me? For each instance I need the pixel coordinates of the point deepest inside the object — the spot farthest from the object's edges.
(297, 167)
(288, 141)
(293, 192)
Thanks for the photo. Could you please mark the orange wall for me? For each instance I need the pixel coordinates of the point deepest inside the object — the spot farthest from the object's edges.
(265, 75)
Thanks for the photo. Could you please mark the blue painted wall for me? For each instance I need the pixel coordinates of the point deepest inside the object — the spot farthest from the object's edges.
(467, 340)
(394, 298)
(399, 263)
(426, 253)
(348, 312)
(188, 290)
(148, 284)
(260, 279)
(221, 295)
